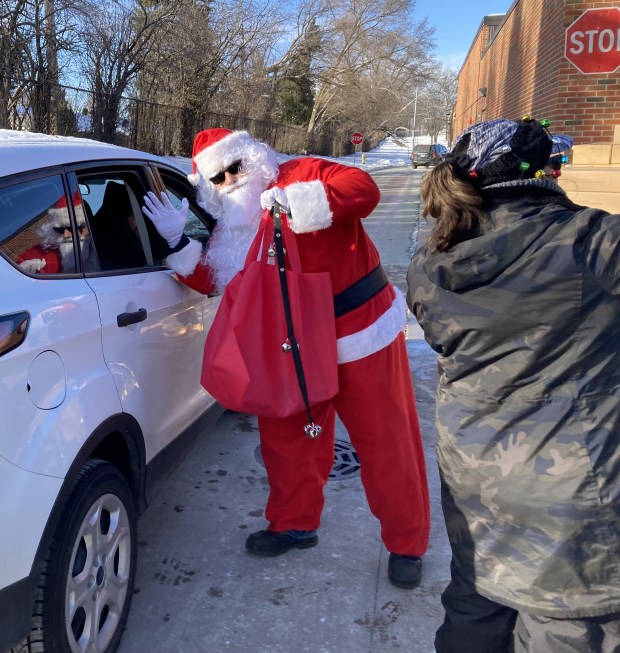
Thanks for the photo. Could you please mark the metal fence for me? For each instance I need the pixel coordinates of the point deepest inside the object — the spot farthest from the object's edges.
(162, 129)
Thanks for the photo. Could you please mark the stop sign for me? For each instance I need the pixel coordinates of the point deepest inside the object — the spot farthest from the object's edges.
(357, 138)
(593, 41)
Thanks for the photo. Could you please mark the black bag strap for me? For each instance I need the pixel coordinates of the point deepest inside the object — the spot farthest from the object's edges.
(311, 429)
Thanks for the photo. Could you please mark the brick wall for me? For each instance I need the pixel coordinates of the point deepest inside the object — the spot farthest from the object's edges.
(523, 70)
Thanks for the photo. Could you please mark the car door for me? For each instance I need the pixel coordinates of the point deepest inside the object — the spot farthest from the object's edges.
(153, 326)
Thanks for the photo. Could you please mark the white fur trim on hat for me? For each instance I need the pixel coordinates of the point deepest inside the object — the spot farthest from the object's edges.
(194, 179)
(184, 261)
(309, 206)
(221, 154)
(59, 214)
(376, 336)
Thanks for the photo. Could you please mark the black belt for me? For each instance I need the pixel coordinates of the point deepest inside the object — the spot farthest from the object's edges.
(360, 292)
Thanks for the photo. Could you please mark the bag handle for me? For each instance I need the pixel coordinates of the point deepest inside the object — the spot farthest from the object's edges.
(290, 243)
(311, 429)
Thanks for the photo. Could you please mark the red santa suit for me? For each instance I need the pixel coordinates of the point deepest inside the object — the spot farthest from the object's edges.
(327, 203)
(49, 261)
(54, 253)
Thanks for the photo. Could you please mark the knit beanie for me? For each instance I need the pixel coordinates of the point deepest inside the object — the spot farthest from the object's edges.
(499, 151)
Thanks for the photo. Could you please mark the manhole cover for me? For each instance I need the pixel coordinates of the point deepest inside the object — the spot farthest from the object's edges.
(346, 461)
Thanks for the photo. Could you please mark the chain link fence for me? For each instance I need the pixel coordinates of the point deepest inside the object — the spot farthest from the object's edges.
(156, 128)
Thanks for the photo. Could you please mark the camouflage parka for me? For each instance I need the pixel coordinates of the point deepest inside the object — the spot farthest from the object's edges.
(525, 319)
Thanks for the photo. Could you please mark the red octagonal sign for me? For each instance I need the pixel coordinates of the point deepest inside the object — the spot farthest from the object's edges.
(357, 138)
(593, 41)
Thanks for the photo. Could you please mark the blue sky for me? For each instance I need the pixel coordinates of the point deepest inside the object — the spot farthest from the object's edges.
(456, 23)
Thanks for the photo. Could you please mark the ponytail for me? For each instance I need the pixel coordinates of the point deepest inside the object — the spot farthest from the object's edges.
(454, 203)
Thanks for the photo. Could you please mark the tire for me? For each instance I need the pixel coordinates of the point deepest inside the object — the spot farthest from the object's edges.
(87, 584)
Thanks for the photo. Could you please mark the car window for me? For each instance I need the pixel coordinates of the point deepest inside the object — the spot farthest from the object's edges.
(83, 217)
(421, 148)
(199, 223)
(37, 231)
(123, 238)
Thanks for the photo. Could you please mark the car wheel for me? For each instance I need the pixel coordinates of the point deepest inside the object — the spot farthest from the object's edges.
(415, 167)
(88, 581)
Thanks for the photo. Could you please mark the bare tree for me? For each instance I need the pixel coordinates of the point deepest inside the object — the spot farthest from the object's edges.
(366, 44)
(331, 66)
(13, 42)
(437, 103)
(118, 36)
(211, 59)
(43, 59)
(33, 36)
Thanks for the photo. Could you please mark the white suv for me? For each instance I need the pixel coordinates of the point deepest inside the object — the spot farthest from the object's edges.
(100, 394)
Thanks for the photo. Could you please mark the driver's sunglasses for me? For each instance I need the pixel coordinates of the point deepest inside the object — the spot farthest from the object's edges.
(233, 169)
(60, 229)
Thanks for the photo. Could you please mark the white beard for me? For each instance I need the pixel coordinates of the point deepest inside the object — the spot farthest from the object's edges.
(236, 228)
(66, 255)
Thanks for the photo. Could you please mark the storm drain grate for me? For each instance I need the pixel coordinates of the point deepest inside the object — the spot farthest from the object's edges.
(346, 460)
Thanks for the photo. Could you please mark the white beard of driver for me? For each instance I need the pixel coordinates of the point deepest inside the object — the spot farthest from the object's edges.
(236, 228)
(66, 254)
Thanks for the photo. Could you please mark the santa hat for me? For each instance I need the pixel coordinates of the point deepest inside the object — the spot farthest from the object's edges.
(59, 210)
(214, 150)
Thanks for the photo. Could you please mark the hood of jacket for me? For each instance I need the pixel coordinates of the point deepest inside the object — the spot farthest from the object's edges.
(516, 218)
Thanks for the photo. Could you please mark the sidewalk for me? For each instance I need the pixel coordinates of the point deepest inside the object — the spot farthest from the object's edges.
(197, 589)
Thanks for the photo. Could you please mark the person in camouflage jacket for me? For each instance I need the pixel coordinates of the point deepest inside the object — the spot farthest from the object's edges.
(518, 291)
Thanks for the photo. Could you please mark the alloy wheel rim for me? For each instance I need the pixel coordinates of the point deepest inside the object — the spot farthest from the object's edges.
(98, 576)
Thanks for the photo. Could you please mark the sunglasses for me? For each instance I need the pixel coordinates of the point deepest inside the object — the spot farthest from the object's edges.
(61, 228)
(233, 169)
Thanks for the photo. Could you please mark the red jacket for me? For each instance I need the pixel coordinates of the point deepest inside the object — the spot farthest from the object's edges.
(52, 258)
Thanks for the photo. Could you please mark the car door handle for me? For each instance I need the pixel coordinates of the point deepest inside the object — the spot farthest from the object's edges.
(125, 319)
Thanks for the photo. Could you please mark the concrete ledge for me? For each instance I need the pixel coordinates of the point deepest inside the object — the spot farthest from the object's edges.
(595, 186)
(592, 155)
(609, 202)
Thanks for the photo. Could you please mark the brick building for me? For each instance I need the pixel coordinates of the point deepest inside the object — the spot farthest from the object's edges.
(516, 65)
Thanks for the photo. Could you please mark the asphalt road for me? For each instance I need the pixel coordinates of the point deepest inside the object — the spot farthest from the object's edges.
(197, 591)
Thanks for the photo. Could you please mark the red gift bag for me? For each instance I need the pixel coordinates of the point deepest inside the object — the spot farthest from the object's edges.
(248, 361)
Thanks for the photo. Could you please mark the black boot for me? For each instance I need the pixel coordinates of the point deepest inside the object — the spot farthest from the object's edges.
(270, 543)
(404, 571)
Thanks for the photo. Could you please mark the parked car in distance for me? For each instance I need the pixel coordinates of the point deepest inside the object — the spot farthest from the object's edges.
(427, 155)
(100, 391)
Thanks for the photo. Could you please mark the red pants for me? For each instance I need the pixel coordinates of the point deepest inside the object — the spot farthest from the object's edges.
(377, 407)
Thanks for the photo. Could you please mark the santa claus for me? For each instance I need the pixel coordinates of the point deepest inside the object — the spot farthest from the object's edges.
(236, 178)
(55, 251)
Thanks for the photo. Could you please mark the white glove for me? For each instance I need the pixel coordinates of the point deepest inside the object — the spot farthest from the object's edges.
(33, 265)
(168, 221)
(269, 197)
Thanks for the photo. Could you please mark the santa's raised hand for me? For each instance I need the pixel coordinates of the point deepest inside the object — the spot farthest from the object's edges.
(169, 222)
